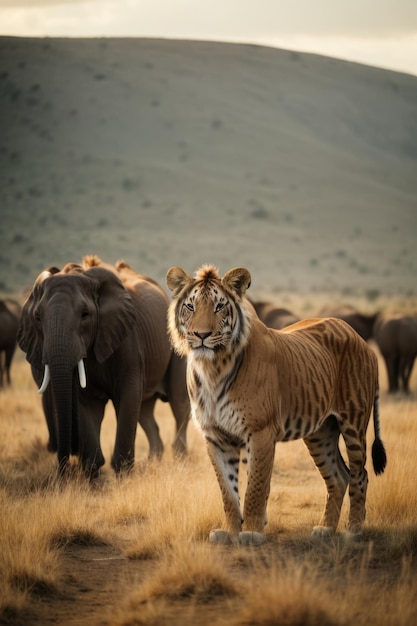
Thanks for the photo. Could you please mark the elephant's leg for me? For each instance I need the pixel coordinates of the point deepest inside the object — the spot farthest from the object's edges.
(9, 356)
(406, 367)
(149, 425)
(89, 426)
(181, 414)
(179, 402)
(1, 368)
(392, 364)
(127, 403)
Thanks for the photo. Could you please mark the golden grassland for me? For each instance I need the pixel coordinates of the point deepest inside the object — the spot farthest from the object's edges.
(134, 550)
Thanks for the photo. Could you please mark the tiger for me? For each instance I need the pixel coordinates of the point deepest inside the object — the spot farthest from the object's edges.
(251, 386)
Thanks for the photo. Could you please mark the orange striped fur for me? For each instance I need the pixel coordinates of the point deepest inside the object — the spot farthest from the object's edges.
(251, 386)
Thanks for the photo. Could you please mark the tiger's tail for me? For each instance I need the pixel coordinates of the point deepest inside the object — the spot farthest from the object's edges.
(379, 456)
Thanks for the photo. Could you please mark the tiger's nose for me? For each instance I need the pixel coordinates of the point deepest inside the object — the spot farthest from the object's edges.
(202, 336)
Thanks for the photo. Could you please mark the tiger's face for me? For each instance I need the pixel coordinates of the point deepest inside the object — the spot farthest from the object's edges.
(206, 320)
(207, 314)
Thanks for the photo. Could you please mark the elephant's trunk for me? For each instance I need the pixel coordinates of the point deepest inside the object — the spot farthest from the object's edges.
(61, 372)
(61, 353)
(66, 397)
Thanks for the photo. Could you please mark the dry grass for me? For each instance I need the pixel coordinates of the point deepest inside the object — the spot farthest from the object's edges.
(141, 542)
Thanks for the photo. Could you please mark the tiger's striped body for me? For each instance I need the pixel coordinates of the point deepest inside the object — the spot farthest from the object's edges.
(251, 386)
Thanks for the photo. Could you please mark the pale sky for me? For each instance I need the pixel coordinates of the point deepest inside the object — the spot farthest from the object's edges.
(382, 33)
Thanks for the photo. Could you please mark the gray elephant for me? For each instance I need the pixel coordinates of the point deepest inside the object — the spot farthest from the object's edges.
(98, 334)
(273, 316)
(9, 322)
(363, 323)
(396, 336)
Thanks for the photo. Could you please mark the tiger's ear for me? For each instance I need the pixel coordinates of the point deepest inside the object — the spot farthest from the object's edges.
(237, 279)
(177, 279)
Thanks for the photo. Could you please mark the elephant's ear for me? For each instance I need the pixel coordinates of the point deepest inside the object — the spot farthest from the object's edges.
(28, 337)
(116, 312)
(26, 334)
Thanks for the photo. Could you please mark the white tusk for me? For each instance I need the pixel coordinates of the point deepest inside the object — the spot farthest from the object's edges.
(81, 374)
(46, 379)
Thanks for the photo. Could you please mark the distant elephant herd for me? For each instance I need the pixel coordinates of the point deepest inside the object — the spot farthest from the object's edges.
(94, 332)
(10, 311)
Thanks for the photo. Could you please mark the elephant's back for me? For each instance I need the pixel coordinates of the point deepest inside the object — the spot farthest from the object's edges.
(151, 304)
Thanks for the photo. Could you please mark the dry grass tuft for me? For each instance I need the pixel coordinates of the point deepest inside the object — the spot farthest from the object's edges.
(188, 576)
(190, 571)
(77, 537)
(145, 614)
(291, 596)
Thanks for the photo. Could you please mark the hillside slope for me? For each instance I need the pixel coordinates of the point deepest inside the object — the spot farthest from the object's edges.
(300, 167)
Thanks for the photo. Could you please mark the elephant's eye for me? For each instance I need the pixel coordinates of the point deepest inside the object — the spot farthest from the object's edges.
(84, 314)
(37, 316)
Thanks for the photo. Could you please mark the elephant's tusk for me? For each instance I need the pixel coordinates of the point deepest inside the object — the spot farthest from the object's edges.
(81, 374)
(46, 379)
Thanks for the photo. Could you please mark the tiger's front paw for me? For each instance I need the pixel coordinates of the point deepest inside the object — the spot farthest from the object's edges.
(322, 532)
(221, 537)
(251, 538)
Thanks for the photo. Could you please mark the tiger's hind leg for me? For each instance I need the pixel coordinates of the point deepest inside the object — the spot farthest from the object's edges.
(355, 440)
(323, 446)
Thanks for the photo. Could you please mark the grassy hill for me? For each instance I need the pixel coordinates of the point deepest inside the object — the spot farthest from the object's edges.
(300, 167)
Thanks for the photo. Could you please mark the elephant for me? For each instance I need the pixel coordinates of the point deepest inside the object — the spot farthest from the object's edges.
(272, 316)
(9, 322)
(363, 323)
(396, 337)
(106, 326)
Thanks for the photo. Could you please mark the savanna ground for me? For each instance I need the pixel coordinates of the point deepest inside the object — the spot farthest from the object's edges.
(135, 550)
